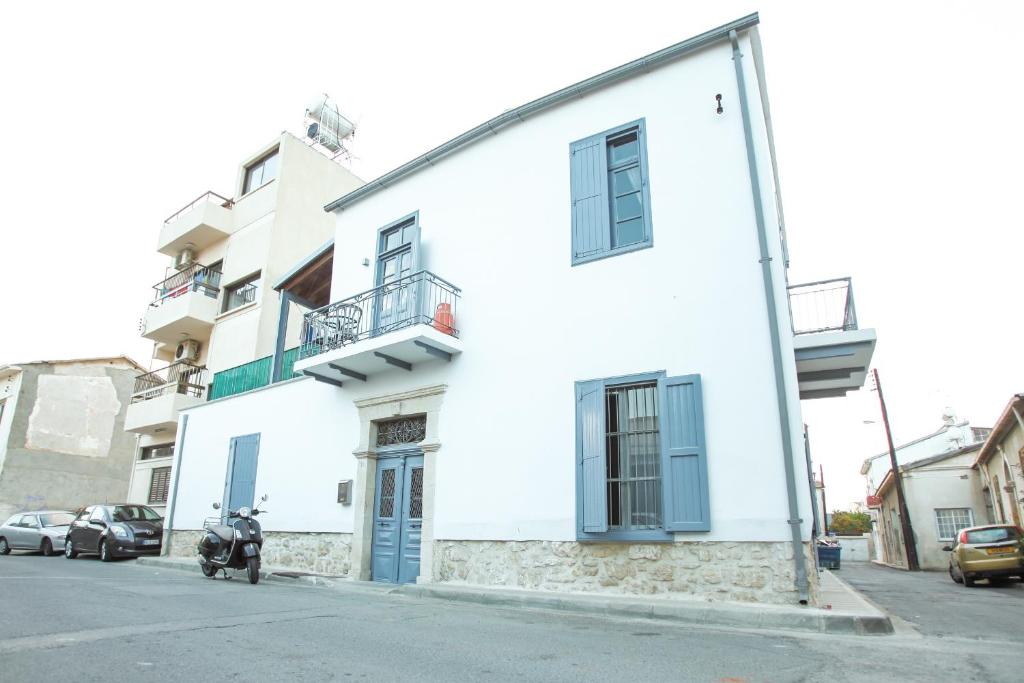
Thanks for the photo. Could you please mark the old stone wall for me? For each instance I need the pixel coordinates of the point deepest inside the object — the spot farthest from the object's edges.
(329, 554)
(747, 572)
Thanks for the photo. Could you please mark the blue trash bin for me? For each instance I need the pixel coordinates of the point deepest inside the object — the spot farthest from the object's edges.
(828, 556)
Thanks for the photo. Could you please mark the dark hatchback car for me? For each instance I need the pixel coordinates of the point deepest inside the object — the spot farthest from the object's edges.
(112, 531)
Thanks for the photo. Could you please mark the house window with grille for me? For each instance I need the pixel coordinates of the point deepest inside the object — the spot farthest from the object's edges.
(151, 452)
(633, 457)
(241, 293)
(952, 520)
(402, 430)
(159, 482)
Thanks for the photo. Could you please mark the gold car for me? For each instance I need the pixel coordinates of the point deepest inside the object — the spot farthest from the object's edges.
(986, 552)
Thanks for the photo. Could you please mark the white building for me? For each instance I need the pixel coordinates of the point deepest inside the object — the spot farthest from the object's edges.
(608, 396)
(214, 320)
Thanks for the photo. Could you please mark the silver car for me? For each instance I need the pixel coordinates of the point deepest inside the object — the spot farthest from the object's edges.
(42, 530)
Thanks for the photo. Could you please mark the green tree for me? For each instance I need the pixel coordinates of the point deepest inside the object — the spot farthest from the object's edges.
(850, 523)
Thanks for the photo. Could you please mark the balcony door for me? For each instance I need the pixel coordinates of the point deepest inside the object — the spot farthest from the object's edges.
(398, 258)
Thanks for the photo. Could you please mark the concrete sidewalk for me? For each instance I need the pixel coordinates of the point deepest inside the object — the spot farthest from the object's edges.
(843, 610)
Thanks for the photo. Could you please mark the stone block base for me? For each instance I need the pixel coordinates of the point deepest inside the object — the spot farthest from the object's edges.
(737, 571)
(318, 553)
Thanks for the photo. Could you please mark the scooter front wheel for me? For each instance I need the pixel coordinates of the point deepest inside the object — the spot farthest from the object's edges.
(208, 569)
(252, 569)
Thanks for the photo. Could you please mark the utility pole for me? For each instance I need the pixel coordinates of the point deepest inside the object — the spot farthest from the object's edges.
(824, 515)
(908, 532)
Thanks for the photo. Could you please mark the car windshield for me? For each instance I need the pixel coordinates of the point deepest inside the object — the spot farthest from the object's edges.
(1002, 533)
(133, 513)
(56, 518)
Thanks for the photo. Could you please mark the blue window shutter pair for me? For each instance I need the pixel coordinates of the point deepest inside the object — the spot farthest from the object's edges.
(684, 463)
(593, 198)
(685, 502)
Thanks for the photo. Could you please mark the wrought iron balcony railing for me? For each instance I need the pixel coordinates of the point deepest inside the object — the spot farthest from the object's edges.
(418, 299)
(823, 306)
(207, 197)
(178, 378)
(194, 278)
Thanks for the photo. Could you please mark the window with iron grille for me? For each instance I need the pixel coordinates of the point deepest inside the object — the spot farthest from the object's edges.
(633, 457)
(241, 293)
(402, 430)
(159, 482)
(952, 520)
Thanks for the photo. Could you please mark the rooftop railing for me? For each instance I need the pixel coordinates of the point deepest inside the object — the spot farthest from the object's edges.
(178, 378)
(823, 306)
(207, 197)
(418, 299)
(194, 278)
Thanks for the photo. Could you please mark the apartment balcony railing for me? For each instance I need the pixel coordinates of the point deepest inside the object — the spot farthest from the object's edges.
(208, 197)
(178, 378)
(823, 306)
(422, 298)
(194, 278)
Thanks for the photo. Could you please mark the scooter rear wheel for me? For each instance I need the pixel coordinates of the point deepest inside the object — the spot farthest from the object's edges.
(208, 569)
(252, 569)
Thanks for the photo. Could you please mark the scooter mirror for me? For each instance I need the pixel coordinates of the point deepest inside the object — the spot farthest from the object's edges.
(216, 506)
(264, 498)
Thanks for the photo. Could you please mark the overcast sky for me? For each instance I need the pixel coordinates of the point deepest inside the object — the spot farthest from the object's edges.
(898, 128)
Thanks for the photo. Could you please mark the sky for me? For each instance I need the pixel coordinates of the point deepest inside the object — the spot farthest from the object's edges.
(897, 126)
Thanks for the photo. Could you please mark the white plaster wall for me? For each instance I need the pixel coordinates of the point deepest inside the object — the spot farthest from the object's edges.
(73, 414)
(307, 433)
(496, 222)
(947, 439)
(854, 549)
(10, 386)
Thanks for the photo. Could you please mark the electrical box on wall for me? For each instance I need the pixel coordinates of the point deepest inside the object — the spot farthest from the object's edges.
(345, 492)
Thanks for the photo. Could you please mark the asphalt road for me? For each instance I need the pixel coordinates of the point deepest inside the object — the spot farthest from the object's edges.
(936, 606)
(84, 620)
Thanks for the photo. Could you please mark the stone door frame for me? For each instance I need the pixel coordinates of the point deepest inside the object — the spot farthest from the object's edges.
(424, 401)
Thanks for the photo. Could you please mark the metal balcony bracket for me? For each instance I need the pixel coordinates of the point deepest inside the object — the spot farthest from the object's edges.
(348, 373)
(397, 362)
(321, 378)
(433, 350)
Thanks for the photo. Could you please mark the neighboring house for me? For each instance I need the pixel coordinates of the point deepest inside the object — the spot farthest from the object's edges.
(555, 353)
(62, 439)
(943, 496)
(953, 435)
(1000, 463)
(214, 318)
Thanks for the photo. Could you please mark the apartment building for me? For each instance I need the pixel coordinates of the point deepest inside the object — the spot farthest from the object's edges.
(214, 316)
(558, 352)
(62, 439)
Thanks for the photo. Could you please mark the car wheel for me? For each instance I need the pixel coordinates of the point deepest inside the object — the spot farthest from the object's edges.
(252, 569)
(69, 550)
(105, 555)
(953, 575)
(46, 548)
(4, 548)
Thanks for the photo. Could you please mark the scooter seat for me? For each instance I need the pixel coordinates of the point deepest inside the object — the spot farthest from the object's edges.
(223, 531)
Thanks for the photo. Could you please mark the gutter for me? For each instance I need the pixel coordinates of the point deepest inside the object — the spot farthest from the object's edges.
(179, 452)
(520, 113)
(799, 563)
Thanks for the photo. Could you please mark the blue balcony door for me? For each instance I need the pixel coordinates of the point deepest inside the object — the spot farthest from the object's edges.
(398, 256)
(398, 519)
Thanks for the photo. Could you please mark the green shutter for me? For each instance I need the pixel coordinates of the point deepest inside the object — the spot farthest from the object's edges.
(683, 455)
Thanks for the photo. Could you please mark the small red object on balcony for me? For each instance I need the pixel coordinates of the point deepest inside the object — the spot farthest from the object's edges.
(444, 321)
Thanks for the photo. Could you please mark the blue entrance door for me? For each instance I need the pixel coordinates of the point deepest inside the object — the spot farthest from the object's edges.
(398, 519)
(240, 490)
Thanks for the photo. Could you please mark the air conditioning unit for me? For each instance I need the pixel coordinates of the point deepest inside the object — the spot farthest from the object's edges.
(187, 350)
(185, 258)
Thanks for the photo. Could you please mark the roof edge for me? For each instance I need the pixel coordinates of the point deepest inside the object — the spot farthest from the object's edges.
(518, 114)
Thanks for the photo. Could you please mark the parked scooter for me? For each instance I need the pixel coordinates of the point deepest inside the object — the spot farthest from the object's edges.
(235, 545)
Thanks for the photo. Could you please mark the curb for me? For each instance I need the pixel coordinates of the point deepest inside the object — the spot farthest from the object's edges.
(766, 617)
(729, 615)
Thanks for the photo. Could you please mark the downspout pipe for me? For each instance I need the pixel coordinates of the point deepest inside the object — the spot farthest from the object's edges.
(179, 451)
(799, 562)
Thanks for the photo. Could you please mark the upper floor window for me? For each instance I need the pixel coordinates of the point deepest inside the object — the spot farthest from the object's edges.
(949, 521)
(260, 173)
(241, 293)
(151, 452)
(611, 204)
(641, 469)
(159, 482)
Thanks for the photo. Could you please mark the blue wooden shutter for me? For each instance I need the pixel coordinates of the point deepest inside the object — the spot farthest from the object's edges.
(590, 430)
(242, 482)
(684, 463)
(589, 184)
